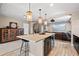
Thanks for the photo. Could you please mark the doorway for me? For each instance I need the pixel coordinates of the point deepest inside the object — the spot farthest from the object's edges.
(63, 28)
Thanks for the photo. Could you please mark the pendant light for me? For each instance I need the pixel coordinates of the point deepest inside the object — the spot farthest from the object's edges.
(52, 20)
(29, 14)
(45, 21)
(40, 19)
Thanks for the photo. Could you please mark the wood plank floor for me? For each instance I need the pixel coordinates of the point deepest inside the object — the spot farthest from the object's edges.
(63, 48)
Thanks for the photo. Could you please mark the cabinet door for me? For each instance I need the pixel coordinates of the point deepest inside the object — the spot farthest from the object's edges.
(13, 34)
(5, 35)
(47, 46)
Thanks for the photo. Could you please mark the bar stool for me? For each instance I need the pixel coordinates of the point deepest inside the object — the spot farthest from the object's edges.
(24, 48)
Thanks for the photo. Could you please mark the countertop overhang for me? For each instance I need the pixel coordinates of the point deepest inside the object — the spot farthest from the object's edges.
(35, 37)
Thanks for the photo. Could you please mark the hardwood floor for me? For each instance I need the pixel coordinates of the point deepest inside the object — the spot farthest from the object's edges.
(63, 48)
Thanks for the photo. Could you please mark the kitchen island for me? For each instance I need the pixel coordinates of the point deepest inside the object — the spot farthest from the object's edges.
(40, 44)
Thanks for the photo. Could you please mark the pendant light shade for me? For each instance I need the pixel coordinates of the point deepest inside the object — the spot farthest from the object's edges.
(40, 19)
(52, 20)
(45, 21)
(29, 14)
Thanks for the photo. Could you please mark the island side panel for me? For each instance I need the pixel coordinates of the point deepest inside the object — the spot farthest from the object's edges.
(41, 48)
(37, 48)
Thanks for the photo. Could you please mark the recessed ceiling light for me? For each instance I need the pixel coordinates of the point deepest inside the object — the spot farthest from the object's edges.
(51, 4)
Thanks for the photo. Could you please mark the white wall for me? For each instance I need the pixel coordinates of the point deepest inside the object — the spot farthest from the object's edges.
(75, 24)
(4, 21)
(75, 27)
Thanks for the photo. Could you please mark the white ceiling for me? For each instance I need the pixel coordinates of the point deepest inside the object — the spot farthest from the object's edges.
(17, 10)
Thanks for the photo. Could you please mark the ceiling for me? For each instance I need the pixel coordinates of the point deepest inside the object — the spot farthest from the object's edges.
(17, 10)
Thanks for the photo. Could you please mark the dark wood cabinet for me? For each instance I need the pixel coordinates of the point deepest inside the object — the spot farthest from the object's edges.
(20, 31)
(47, 46)
(63, 36)
(13, 34)
(7, 35)
(4, 35)
(76, 43)
(59, 35)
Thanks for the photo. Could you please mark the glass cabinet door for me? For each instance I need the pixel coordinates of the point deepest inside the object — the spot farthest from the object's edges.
(13, 34)
(5, 36)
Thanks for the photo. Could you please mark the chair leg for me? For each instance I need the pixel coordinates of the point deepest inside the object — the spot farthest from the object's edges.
(25, 48)
(28, 48)
(21, 47)
(53, 42)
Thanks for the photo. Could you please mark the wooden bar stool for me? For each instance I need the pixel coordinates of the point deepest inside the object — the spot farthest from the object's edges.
(24, 48)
